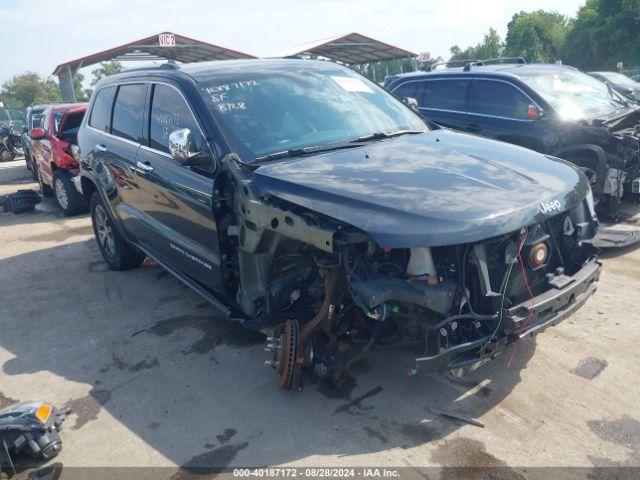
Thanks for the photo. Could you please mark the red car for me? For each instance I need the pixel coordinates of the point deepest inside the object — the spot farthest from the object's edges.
(54, 163)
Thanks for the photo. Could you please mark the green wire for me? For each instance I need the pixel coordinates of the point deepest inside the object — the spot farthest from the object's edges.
(503, 292)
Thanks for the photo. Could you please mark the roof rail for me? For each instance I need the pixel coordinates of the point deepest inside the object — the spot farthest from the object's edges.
(453, 63)
(468, 63)
(495, 61)
(171, 65)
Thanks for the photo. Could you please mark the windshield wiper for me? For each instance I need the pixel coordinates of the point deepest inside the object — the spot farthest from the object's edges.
(298, 152)
(616, 98)
(381, 135)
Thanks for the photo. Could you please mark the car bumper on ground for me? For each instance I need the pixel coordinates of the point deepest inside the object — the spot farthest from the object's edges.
(550, 308)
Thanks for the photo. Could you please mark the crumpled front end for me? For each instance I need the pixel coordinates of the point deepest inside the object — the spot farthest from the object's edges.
(468, 302)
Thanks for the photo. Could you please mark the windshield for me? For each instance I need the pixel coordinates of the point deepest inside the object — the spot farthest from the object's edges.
(57, 118)
(573, 94)
(293, 108)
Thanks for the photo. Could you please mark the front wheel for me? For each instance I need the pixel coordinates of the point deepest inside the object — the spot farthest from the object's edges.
(116, 251)
(69, 199)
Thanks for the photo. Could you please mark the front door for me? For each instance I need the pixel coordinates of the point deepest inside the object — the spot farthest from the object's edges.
(177, 199)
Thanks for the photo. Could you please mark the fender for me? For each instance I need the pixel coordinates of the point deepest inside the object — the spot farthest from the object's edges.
(591, 150)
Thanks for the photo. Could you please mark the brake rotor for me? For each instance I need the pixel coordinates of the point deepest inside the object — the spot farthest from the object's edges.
(286, 356)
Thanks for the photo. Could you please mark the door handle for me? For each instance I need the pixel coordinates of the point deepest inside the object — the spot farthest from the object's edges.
(101, 148)
(474, 128)
(145, 167)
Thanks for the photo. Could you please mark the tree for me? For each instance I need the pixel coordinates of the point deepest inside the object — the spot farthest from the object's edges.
(604, 33)
(536, 36)
(490, 47)
(105, 69)
(82, 94)
(28, 89)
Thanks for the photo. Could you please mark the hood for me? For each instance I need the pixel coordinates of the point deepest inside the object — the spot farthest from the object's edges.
(436, 188)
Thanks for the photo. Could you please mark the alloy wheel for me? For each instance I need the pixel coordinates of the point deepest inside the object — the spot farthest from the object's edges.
(61, 194)
(104, 231)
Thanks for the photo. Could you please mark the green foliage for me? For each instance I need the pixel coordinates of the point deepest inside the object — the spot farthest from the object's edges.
(81, 93)
(105, 69)
(490, 47)
(536, 36)
(28, 89)
(604, 33)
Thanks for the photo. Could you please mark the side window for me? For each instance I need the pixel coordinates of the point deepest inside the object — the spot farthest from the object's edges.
(499, 99)
(410, 89)
(100, 116)
(128, 111)
(446, 94)
(170, 112)
(35, 119)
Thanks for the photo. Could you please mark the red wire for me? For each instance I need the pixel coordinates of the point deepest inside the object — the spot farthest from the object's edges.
(526, 320)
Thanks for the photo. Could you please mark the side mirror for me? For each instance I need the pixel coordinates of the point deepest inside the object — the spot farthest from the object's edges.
(534, 113)
(412, 103)
(37, 134)
(182, 146)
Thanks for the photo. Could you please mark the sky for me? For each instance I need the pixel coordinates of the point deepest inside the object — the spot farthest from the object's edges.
(37, 35)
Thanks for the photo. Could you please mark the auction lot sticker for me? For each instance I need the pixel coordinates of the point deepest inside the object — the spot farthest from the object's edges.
(352, 84)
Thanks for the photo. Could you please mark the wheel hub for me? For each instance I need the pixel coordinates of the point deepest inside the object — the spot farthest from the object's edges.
(286, 360)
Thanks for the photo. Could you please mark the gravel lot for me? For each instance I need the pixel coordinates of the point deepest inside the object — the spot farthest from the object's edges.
(156, 379)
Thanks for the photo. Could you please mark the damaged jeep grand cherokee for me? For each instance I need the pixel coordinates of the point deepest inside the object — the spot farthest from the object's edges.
(306, 202)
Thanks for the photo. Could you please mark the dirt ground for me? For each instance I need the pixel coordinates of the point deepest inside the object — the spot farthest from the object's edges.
(156, 379)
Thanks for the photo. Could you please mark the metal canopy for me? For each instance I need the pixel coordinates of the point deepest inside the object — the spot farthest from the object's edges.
(352, 49)
(164, 46)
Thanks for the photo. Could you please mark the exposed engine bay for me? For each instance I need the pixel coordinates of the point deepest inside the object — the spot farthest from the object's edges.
(326, 294)
(608, 151)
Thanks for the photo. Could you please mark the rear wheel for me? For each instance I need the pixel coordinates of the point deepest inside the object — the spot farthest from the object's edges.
(69, 199)
(116, 251)
(6, 155)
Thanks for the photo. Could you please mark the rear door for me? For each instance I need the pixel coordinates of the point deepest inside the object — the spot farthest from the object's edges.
(499, 109)
(113, 135)
(178, 199)
(444, 101)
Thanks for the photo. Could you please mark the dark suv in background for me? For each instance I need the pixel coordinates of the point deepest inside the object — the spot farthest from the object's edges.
(552, 109)
(306, 202)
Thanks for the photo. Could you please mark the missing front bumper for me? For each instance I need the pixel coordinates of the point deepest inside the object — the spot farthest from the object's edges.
(551, 307)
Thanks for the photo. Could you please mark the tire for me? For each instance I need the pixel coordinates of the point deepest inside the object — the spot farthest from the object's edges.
(6, 155)
(116, 251)
(45, 190)
(69, 199)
